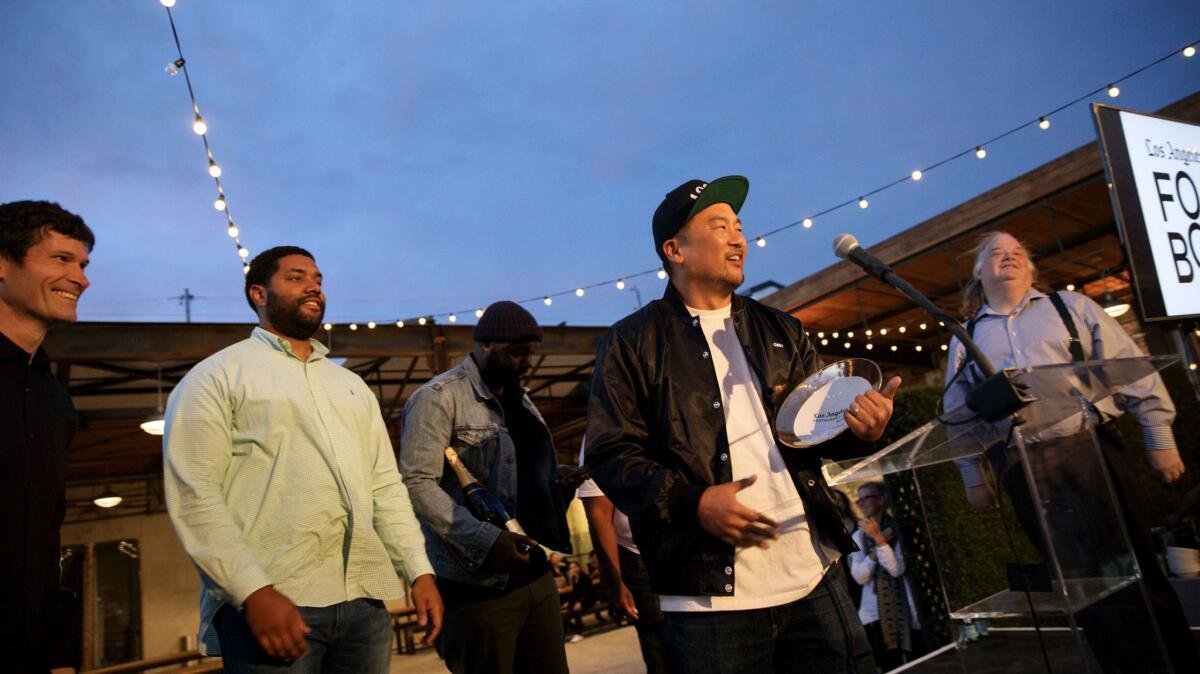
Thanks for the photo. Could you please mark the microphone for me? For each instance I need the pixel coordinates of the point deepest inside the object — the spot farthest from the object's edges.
(847, 248)
(995, 398)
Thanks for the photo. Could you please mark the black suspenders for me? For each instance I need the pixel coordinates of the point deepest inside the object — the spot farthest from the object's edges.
(1075, 346)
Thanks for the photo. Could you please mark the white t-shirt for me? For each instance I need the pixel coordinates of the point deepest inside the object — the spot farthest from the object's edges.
(793, 565)
(620, 522)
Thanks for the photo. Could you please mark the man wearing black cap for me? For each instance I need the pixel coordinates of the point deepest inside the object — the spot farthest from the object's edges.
(739, 534)
(502, 607)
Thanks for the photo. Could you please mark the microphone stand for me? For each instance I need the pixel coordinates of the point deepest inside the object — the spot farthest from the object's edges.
(994, 399)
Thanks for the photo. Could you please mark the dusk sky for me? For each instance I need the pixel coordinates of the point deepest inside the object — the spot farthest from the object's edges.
(438, 156)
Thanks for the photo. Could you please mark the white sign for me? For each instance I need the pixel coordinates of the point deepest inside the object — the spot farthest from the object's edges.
(823, 415)
(1156, 182)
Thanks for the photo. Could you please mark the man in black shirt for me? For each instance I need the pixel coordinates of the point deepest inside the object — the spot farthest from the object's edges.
(502, 607)
(43, 252)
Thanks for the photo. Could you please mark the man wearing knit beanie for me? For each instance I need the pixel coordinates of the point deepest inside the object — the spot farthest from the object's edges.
(502, 607)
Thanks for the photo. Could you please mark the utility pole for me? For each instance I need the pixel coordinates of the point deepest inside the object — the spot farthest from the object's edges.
(186, 300)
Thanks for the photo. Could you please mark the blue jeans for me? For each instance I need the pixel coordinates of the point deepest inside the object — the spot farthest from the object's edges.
(354, 637)
(819, 633)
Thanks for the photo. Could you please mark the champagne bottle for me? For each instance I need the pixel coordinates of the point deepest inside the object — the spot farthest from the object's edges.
(482, 502)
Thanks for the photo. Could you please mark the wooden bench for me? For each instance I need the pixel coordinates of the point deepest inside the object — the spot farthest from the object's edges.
(404, 625)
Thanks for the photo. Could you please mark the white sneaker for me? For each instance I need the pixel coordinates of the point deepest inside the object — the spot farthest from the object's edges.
(575, 638)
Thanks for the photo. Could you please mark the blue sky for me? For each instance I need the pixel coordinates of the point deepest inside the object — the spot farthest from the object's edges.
(438, 156)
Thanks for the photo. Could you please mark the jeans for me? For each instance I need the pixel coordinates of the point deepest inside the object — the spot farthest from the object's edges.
(649, 624)
(354, 637)
(817, 634)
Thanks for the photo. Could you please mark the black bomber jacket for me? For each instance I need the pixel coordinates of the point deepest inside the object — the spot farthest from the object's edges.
(656, 434)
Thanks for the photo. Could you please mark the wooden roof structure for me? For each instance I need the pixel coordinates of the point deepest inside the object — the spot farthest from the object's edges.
(113, 372)
(1061, 210)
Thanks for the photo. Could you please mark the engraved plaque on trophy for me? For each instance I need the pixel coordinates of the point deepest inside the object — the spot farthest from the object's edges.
(815, 411)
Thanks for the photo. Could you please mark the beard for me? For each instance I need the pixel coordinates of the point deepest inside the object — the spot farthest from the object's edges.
(290, 319)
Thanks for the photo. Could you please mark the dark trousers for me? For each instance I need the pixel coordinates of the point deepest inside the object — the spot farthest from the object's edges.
(890, 658)
(649, 624)
(518, 633)
(1118, 629)
(353, 637)
(819, 634)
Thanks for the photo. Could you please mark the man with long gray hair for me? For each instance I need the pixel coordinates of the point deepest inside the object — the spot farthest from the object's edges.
(1019, 326)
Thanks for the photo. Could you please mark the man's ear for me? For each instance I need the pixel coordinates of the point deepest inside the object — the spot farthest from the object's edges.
(673, 250)
(258, 295)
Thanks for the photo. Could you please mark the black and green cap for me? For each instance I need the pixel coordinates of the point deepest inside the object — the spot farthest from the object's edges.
(685, 201)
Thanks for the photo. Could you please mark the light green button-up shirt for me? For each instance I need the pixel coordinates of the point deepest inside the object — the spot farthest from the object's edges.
(280, 472)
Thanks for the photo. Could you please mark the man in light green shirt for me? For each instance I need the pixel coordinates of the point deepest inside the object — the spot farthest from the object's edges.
(282, 485)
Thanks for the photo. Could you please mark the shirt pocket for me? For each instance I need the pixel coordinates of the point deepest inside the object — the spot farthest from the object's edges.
(476, 447)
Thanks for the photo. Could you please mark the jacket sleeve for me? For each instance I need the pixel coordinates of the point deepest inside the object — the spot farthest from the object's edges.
(619, 452)
(428, 427)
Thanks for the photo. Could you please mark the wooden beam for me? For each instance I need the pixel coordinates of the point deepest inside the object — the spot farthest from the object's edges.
(115, 342)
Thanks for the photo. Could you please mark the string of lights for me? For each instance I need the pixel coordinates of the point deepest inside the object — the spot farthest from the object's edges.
(980, 150)
(200, 128)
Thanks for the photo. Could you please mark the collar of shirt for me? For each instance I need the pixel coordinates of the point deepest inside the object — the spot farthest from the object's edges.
(10, 351)
(281, 344)
(1030, 295)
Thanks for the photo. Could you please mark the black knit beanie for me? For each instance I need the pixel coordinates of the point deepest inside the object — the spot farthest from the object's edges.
(506, 321)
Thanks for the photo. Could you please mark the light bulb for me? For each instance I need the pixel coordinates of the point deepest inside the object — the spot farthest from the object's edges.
(245, 269)
(862, 202)
(870, 346)
(354, 326)
(761, 242)
(328, 327)
(923, 326)
(453, 318)
(894, 347)
(869, 332)
(213, 169)
(172, 69)
(108, 499)
(945, 347)
(232, 232)
(167, 3)
(547, 301)
(370, 325)
(834, 334)
(850, 335)
(1070, 287)
(917, 175)
(1043, 124)
(1188, 52)
(243, 252)
(820, 334)
(846, 345)
(199, 126)
(882, 331)
(421, 321)
(902, 329)
(807, 222)
(219, 204)
(918, 347)
(980, 152)
(1113, 91)
(399, 324)
(662, 273)
(579, 292)
(620, 284)
(479, 313)
(824, 342)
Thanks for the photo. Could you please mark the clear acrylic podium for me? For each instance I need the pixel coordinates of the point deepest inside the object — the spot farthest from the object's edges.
(1076, 566)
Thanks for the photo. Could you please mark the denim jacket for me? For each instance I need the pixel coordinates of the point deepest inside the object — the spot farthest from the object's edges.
(457, 409)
